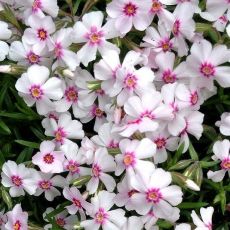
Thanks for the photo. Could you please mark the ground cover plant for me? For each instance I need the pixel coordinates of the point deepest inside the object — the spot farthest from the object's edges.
(114, 114)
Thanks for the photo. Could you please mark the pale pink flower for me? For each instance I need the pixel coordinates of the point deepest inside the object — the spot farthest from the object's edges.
(3, 220)
(205, 223)
(128, 13)
(79, 204)
(49, 160)
(203, 64)
(5, 31)
(155, 191)
(149, 220)
(19, 179)
(38, 36)
(221, 22)
(221, 150)
(224, 124)
(101, 214)
(183, 227)
(17, 219)
(91, 32)
(133, 153)
(47, 184)
(133, 222)
(64, 129)
(36, 87)
(103, 163)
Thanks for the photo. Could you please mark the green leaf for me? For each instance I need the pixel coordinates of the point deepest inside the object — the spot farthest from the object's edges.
(4, 127)
(177, 155)
(208, 164)
(181, 165)
(192, 205)
(28, 144)
(193, 152)
(164, 224)
(2, 159)
(76, 6)
(26, 153)
(223, 201)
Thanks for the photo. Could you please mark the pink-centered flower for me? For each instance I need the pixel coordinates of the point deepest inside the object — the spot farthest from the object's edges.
(36, 87)
(17, 219)
(49, 160)
(102, 215)
(91, 32)
(224, 124)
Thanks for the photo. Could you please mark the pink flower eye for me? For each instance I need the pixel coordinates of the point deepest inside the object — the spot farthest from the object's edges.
(129, 159)
(77, 203)
(73, 167)
(16, 180)
(160, 143)
(130, 81)
(33, 58)
(98, 112)
(153, 195)
(225, 164)
(36, 92)
(45, 185)
(36, 5)
(176, 28)
(207, 69)
(101, 216)
(71, 94)
(169, 76)
(96, 170)
(59, 135)
(194, 98)
(61, 222)
(48, 158)
(130, 9)
(17, 225)
(42, 34)
(156, 6)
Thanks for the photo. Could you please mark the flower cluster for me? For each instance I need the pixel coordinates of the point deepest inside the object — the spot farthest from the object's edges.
(115, 111)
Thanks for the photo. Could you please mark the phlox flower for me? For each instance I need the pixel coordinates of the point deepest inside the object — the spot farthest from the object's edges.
(73, 161)
(61, 41)
(91, 32)
(18, 178)
(101, 214)
(133, 222)
(47, 184)
(49, 160)
(25, 55)
(154, 191)
(221, 150)
(183, 227)
(102, 164)
(128, 13)
(203, 64)
(149, 220)
(64, 129)
(221, 22)
(132, 154)
(205, 223)
(79, 204)
(3, 220)
(16, 219)
(5, 34)
(61, 219)
(36, 87)
(224, 124)
(158, 39)
(38, 35)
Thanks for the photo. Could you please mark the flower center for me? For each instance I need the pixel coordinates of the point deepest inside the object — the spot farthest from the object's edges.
(194, 98)
(73, 167)
(98, 112)
(160, 142)
(45, 184)
(130, 81)
(58, 50)
(36, 92)
(169, 76)
(17, 225)
(33, 58)
(165, 44)
(176, 28)
(113, 144)
(95, 36)
(42, 34)
(225, 164)
(48, 158)
(153, 195)
(147, 114)
(61, 222)
(101, 216)
(60, 135)
(36, 5)
(71, 94)
(16, 180)
(207, 69)
(156, 6)
(131, 192)
(96, 171)
(129, 159)
(130, 9)
(77, 202)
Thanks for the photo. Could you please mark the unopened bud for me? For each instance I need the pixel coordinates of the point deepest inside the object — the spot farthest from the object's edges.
(192, 185)
(81, 180)
(68, 73)
(94, 85)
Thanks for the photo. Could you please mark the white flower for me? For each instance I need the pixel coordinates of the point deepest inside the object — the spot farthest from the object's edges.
(4, 50)
(221, 150)
(224, 124)
(102, 164)
(19, 179)
(183, 227)
(64, 129)
(17, 219)
(132, 155)
(101, 214)
(133, 222)
(91, 32)
(48, 160)
(205, 223)
(5, 33)
(35, 86)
